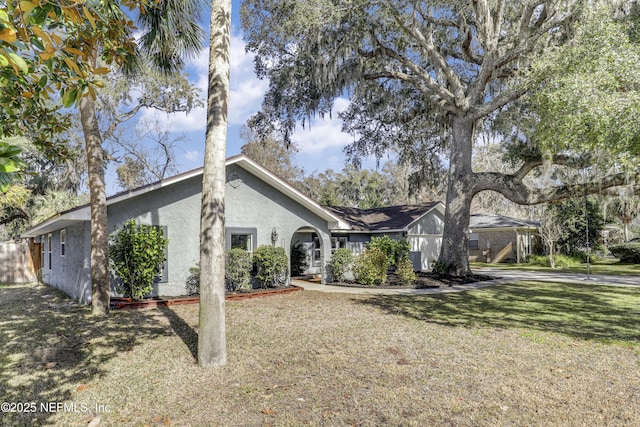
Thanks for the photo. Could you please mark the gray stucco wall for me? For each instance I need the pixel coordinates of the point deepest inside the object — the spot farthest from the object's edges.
(70, 272)
(250, 203)
(177, 207)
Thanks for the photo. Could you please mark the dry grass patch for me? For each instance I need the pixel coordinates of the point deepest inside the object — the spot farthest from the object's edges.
(328, 359)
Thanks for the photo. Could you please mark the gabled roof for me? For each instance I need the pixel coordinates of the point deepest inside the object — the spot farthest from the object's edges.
(83, 213)
(391, 218)
(490, 221)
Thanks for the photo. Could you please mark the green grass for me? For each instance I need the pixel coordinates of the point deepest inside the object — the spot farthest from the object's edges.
(600, 267)
(602, 313)
(525, 354)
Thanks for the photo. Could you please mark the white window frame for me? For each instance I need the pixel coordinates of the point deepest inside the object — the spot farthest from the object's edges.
(63, 242)
(49, 248)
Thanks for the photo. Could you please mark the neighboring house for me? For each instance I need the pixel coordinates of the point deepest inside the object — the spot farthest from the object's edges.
(420, 224)
(495, 238)
(261, 209)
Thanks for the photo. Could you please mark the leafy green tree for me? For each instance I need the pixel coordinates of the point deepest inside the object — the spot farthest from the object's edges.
(136, 253)
(274, 155)
(10, 164)
(424, 77)
(626, 208)
(571, 214)
(157, 47)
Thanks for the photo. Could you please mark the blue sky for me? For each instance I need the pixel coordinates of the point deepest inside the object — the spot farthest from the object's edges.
(320, 145)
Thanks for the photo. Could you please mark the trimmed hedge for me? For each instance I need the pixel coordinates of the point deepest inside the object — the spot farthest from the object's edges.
(238, 266)
(627, 252)
(136, 253)
(395, 250)
(371, 267)
(341, 263)
(405, 273)
(271, 266)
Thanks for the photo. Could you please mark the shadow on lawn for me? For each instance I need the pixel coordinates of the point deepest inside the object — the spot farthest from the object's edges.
(603, 313)
(183, 330)
(50, 344)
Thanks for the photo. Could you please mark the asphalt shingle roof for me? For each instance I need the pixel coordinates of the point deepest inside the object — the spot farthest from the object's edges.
(498, 221)
(382, 219)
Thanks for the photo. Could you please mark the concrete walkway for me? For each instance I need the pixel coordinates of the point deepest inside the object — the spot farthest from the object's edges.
(502, 277)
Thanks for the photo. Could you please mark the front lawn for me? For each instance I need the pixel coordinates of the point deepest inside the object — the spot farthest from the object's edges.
(601, 267)
(526, 354)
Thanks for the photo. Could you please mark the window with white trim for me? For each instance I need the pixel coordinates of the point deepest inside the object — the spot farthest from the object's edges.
(241, 238)
(63, 241)
(317, 253)
(338, 243)
(49, 247)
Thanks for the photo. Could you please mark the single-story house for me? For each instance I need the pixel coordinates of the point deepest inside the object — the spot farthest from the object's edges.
(496, 238)
(260, 209)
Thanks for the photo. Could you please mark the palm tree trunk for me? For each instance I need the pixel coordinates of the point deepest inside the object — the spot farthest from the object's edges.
(212, 348)
(100, 282)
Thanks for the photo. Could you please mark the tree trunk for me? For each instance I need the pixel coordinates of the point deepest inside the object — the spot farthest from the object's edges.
(552, 261)
(454, 253)
(100, 282)
(212, 348)
(626, 230)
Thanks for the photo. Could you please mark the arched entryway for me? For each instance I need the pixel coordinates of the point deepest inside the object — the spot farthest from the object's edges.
(307, 254)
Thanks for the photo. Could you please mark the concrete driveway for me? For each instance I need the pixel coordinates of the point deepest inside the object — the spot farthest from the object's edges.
(501, 277)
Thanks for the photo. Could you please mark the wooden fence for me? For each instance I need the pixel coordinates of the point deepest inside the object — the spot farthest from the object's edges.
(19, 261)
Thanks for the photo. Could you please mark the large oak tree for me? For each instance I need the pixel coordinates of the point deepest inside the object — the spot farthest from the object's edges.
(425, 77)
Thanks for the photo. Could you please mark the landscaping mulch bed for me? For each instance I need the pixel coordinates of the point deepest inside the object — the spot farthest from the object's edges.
(423, 281)
(127, 303)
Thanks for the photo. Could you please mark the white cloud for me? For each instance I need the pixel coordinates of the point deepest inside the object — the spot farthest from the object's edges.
(246, 90)
(324, 133)
(192, 155)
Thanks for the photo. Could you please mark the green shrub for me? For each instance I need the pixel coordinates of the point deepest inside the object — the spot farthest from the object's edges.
(298, 259)
(405, 273)
(271, 266)
(443, 268)
(341, 263)
(238, 266)
(394, 250)
(136, 253)
(559, 259)
(628, 253)
(192, 284)
(540, 260)
(371, 267)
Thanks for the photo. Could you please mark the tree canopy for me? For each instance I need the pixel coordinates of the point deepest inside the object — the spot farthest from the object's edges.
(425, 77)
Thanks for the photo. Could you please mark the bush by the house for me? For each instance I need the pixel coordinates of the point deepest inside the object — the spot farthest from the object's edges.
(370, 267)
(136, 253)
(404, 272)
(341, 263)
(394, 250)
(298, 259)
(271, 265)
(193, 281)
(238, 265)
(627, 252)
